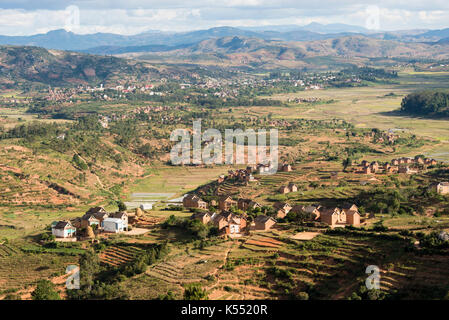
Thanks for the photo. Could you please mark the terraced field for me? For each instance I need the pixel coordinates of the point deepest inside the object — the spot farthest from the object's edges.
(192, 267)
(7, 250)
(28, 268)
(118, 255)
(269, 266)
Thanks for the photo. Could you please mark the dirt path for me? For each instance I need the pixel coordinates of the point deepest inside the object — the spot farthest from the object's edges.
(96, 176)
(217, 270)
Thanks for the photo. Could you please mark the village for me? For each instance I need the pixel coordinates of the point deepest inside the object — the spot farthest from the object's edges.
(236, 217)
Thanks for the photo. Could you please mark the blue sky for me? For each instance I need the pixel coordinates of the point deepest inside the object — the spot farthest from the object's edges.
(24, 17)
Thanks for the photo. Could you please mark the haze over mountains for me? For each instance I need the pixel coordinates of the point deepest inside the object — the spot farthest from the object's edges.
(262, 48)
(107, 43)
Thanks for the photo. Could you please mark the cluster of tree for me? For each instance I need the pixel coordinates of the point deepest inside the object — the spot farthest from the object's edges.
(370, 74)
(193, 226)
(33, 130)
(45, 290)
(433, 241)
(194, 291)
(428, 102)
(104, 282)
(363, 293)
(382, 200)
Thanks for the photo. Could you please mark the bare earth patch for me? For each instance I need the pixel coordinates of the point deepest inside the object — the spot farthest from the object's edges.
(305, 235)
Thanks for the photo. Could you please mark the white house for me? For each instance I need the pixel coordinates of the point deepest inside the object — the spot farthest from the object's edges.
(122, 216)
(63, 229)
(114, 225)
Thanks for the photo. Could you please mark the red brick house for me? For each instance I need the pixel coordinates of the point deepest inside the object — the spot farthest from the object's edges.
(193, 201)
(226, 202)
(264, 223)
(282, 209)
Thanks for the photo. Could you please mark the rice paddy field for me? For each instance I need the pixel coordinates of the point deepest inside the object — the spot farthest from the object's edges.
(260, 265)
(376, 107)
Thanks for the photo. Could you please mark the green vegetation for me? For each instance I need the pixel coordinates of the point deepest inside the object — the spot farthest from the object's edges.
(45, 290)
(426, 103)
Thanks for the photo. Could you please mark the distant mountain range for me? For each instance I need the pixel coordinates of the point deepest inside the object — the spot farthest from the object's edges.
(161, 54)
(269, 54)
(107, 43)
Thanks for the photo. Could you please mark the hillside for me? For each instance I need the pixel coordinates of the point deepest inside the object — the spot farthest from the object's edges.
(51, 67)
(275, 53)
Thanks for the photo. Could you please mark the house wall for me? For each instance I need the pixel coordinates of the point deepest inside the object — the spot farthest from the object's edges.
(109, 226)
(234, 228)
(281, 214)
(353, 219)
(205, 219)
(264, 226)
(443, 189)
(59, 233)
(329, 219)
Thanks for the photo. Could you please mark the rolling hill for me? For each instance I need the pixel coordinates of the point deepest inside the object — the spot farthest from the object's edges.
(51, 67)
(256, 52)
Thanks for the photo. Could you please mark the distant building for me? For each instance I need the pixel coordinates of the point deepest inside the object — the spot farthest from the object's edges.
(284, 190)
(332, 216)
(293, 187)
(286, 167)
(123, 216)
(442, 188)
(193, 201)
(89, 220)
(229, 223)
(146, 206)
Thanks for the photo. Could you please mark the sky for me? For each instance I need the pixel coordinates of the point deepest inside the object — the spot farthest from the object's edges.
(26, 17)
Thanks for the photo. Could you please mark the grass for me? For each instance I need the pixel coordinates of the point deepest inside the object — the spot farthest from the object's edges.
(367, 107)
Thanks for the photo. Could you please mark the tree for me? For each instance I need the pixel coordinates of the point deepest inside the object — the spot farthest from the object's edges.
(79, 162)
(45, 290)
(346, 163)
(121, 206)
(195, 292)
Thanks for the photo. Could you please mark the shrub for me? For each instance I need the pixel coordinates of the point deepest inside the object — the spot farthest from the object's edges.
(45, 290)
(195, 292)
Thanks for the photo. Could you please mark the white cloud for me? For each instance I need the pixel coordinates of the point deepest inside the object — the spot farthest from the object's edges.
(135, 16)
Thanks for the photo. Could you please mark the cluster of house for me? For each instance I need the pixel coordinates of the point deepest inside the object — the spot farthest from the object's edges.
(291, 187)
(225, 203)
(346, 215)
(304, 100)
(334, 216)
(96, 218)
(227, 222)
(232, 224)
(384, 136)
(400, 165)
(242, 175)
(246, 175)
